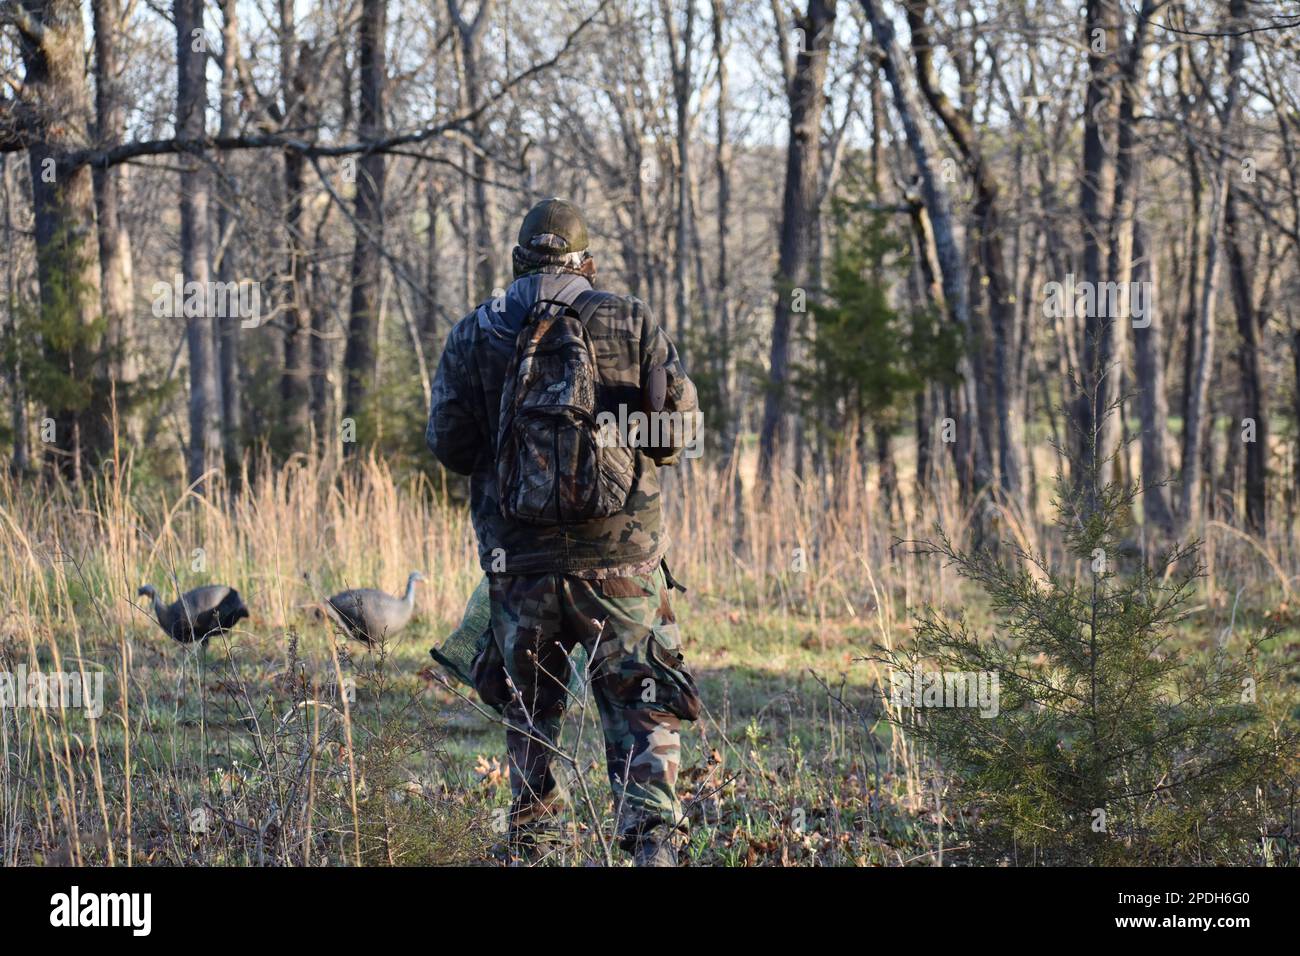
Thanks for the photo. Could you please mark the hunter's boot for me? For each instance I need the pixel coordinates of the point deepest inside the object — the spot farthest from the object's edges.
(655, 847)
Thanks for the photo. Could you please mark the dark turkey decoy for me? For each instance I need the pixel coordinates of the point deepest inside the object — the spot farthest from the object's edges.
(199, 613)
(370, 615)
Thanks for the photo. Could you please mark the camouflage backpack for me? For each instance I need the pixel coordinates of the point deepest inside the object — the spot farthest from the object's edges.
(552, 466)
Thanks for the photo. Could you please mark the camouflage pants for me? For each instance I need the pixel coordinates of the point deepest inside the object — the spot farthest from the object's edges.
(638, 679)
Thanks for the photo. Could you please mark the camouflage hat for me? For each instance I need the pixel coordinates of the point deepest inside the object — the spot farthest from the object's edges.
(554, 228)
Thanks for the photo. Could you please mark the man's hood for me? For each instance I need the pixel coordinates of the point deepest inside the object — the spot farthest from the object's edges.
(523, 293)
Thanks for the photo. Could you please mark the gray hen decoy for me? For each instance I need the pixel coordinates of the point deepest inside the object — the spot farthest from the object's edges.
(370, 615)
(199, 613)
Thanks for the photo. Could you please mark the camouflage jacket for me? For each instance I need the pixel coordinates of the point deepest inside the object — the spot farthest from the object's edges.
(465, 409)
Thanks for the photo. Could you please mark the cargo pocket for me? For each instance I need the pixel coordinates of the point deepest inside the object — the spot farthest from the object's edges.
(626, 586)
(678, 692)
(488, 671)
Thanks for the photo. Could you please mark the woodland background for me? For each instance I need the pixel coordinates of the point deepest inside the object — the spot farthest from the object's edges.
(851, 230)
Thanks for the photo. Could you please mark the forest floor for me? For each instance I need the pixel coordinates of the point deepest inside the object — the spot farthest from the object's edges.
(791, 763)
(788, 765)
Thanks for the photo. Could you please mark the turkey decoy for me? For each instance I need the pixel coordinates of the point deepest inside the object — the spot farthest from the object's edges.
(199, 613)
(371, 615)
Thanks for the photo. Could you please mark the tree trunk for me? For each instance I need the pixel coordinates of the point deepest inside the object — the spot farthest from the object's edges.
(887, 471)
(20, 464)
(952, 294)
(228, 337)
(1098, 417)
(196, 239)
(679, 57)
(1190, 504)
(1123, 224)
(1295, 407)
(63, 201)
(484, 269)
(295, 381)
(1193, 283)
(807, 99)
(322, 361)
(367, 263)
(1252, 391)
(429, 318)
(722, 299)
(1152, 400)
(117, 295)
(988, 241)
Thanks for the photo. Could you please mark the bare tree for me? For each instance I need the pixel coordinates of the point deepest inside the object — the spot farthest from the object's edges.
(805, 78)
(296, 65)
(1098, 422)
(228, 337)
(367, 263)
(20, 462)
(680, 48)
(952, 292)
(722, 161)
(117, 295)
(1152, 399)
(196, 238)
(1193, 461)
(322, 361)
(471, 32)
(1255, 432)
(989, 239)
(52, 41)
(1125, 263)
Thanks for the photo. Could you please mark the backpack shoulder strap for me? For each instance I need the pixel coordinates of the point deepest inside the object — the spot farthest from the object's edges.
(588, 301)
(539, 308)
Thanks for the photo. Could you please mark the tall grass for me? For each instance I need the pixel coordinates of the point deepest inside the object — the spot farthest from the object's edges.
(263, 760)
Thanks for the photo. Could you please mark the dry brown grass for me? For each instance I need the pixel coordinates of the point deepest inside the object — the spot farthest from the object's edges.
(786, 596)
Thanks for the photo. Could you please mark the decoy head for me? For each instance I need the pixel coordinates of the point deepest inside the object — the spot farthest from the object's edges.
(146, 590)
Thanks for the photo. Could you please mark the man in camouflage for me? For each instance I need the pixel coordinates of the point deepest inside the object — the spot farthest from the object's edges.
(602, 584)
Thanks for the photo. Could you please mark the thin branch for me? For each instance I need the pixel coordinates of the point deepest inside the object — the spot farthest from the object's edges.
(104, 158)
